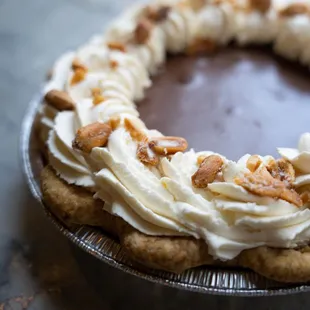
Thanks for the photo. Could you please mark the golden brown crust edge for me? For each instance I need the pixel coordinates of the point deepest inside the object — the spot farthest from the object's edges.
(72, 204)
(75, 205)
(283, 265)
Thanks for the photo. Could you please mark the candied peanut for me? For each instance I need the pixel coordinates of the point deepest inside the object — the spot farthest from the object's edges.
(97, 96)
(282, 170)
(294, 9)
(114, 122)
(262, 183)
(143, 31)
(117, 46)
(207, 171)
(80, 72)
(97, 99)
(168, 145)
(90, 136)
(135, 133)
(260, 5)
(78, 76)
(253, 162)
(272, 168)
(60, 100)
(201, 46)
(286, 171)
(146, 155)
(305, 197)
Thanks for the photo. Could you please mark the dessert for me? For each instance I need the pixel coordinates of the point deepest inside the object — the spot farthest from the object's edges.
(175, 209)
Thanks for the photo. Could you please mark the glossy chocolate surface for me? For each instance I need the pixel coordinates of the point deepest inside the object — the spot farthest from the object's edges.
(236, 102)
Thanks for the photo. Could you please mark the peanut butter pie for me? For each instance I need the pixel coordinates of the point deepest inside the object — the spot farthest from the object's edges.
(229, 76)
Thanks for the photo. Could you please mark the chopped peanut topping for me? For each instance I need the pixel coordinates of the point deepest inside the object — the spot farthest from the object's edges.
(117, 46)
(262, 183)
(144, 152)
(207, 171)
(201, 46)
(143, 31)
(97, 95)
(114, 122)
(135, 133)
(272, 167)
(146, 155)
(79, 72)
(90, 136)
(158, 15)
(294, 9)
(60, 100)
(96, 91)
(260, 5)
(76, 64)
(113, 64)
(305, 197)
(282, 170)
(78, 76)
(253, 163)
(168, 145)
(286, 171)
(98, 99)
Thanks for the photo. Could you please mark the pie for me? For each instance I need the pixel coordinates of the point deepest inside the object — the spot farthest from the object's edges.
(234, 69)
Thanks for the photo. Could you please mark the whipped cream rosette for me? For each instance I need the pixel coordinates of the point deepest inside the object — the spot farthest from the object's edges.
(300, 158)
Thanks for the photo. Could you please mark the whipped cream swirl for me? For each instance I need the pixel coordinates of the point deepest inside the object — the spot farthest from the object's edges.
(70, 165)
(300, 158)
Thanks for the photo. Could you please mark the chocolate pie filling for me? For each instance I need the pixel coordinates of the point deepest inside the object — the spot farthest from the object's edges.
(236, 102)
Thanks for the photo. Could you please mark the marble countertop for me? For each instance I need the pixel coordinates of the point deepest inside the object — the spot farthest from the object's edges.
(39, 268)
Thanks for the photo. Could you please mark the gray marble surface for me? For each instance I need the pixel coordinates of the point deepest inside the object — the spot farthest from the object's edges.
(39, 268)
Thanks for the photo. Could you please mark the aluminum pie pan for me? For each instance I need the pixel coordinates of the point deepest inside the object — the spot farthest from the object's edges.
(210, 280)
